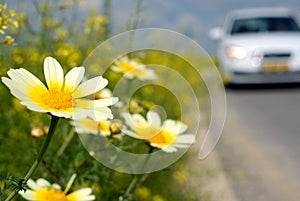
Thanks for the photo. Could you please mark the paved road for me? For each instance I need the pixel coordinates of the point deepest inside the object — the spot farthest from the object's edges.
(260, 146)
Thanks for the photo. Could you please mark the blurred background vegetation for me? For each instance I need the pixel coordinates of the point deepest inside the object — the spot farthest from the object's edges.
(57, 31)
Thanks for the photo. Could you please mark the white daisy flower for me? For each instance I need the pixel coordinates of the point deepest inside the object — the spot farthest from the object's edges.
(93, 127)
(42, 190)
(104, 128)
(64, 96)
(167, 136)
(133, 69)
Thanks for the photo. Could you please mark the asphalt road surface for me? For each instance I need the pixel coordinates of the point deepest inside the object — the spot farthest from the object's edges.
(260, 145)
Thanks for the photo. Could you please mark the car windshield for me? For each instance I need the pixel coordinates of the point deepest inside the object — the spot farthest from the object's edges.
(264, 24)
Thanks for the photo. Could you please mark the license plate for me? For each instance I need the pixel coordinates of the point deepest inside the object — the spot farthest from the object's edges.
(273, 67)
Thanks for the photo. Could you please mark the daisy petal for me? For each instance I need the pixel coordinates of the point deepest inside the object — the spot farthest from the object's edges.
(156, 145)
(86, 126)
(28, 195)
(33, 106)
(80, 113)
(81, 195)
(181, 145)
(116, 69)
(101, 114)
(128, 76)
(169, 149)
(22, 83)
(16, 89)
(135, 121)
(28, 96)
(139, 119)
(186, 138)
(174, 126)
(128, 120)
(25, 77)
(95, 104)
(73, 78)
(62, 114)
(56, 186)
(154, 119)
(130, 133)
(42, 183)
(33, 185)
(53, 72)
(90, 86)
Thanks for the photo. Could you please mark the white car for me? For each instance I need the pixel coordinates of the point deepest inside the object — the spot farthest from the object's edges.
(259, 46)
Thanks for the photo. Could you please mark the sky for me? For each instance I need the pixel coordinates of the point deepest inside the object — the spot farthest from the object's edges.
(193, 18)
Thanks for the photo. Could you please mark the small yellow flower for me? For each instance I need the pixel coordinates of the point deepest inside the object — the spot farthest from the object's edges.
(69, 53)
(167, 136)
(158, 198)
(133, 69)
(65, 5)
(8, 40)
(142, 193)
(181, 176)
(42, 190)
(61, 33)
(63, 96)
(7, 21)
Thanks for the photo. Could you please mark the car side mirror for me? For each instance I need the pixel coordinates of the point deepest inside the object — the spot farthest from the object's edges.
(216, 33)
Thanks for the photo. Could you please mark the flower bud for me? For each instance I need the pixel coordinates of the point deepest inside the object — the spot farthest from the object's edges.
(115, 128)
(37, 132)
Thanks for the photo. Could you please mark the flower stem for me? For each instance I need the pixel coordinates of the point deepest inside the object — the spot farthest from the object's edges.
(65, 144)
(131, 185)
(36, 163)
(136, 177)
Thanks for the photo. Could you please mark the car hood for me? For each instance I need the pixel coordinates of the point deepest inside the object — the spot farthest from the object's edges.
(265, 40)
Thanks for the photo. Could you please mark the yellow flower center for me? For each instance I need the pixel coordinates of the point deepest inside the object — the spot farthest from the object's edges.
(162, 138)
(50, 194)
(129, 68)
(126, 67)
(58, 99)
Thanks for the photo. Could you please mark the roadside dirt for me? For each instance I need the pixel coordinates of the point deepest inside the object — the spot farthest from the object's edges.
(208, 176)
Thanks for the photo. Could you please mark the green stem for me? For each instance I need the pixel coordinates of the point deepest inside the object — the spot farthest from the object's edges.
(65, 144)
(151, 149)
(36, 163)
(136, 178)
(131, 186)
(136, 16)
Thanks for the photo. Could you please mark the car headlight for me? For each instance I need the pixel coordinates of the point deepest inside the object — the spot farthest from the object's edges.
(236, 52)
